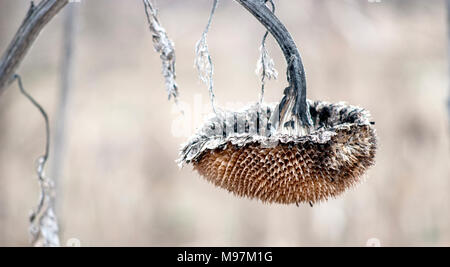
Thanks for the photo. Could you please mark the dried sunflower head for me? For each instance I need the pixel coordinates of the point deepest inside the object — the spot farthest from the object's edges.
(247, 153)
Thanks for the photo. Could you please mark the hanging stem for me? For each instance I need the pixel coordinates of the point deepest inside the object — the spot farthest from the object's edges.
(268, 69)
(47, 125)
(295, 71)
(165, 47)
(203, 61)
(44, 227)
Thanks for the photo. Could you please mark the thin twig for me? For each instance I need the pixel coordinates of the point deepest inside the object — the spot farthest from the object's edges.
(44, 227)
(203, 61)
(35, 20)
(47, 127)
(265, 62)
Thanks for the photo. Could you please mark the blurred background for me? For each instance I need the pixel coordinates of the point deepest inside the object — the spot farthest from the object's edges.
(119, 183)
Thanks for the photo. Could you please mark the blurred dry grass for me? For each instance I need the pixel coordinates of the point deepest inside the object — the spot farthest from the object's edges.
(121, 185)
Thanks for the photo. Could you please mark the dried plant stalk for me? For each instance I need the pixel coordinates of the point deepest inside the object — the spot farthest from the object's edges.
(265, 66)
(44, 227)
(35, 20)
(203, 61)
(165, 47)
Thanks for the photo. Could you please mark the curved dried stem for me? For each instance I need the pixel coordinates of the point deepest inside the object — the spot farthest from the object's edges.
(44, 227)
(35, 20)
(293, 105)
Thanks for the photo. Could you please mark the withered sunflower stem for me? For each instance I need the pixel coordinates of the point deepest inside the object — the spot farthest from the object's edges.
(295, 71)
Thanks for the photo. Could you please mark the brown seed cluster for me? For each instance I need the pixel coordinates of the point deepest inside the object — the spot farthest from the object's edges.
(297, 172)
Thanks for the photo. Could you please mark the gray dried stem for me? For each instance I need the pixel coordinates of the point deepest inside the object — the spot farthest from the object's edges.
(165, 47)
(203, 61)
(265, 66)
(44, 229)
(294, 107)
(35, 20)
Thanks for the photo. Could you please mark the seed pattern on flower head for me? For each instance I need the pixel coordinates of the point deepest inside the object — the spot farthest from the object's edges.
(287, 169)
